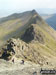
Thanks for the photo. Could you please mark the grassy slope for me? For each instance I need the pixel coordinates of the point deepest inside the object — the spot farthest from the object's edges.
(12, 27)
(46, 50)
(50, 44)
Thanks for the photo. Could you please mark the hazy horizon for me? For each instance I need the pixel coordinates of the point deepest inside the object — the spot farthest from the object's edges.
(8, 7)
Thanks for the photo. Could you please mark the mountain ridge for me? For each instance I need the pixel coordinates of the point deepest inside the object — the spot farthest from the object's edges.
(16, 27)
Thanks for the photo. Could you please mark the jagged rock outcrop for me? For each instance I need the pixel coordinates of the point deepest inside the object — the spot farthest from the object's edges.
(32, 33)
(20, 49)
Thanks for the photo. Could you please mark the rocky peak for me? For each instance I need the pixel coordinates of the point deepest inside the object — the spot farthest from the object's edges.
(34, 11)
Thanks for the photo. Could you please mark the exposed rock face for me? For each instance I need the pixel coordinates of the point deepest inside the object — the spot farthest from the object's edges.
(29, 34)
(20, 49)
(33, 34)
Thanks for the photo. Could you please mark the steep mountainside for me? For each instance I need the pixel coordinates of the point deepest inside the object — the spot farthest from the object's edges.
(15, 25)
(36, 45)
(51, 20)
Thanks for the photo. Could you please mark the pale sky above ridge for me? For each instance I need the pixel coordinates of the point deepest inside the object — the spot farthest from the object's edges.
(11, 6)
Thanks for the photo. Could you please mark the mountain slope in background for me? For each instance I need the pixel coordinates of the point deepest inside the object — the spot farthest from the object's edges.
(12, 25)
(51, 20)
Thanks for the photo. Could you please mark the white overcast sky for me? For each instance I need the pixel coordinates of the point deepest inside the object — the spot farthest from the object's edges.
(11, 6)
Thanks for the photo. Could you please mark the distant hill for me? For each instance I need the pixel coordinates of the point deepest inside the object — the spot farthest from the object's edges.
(51, 20)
